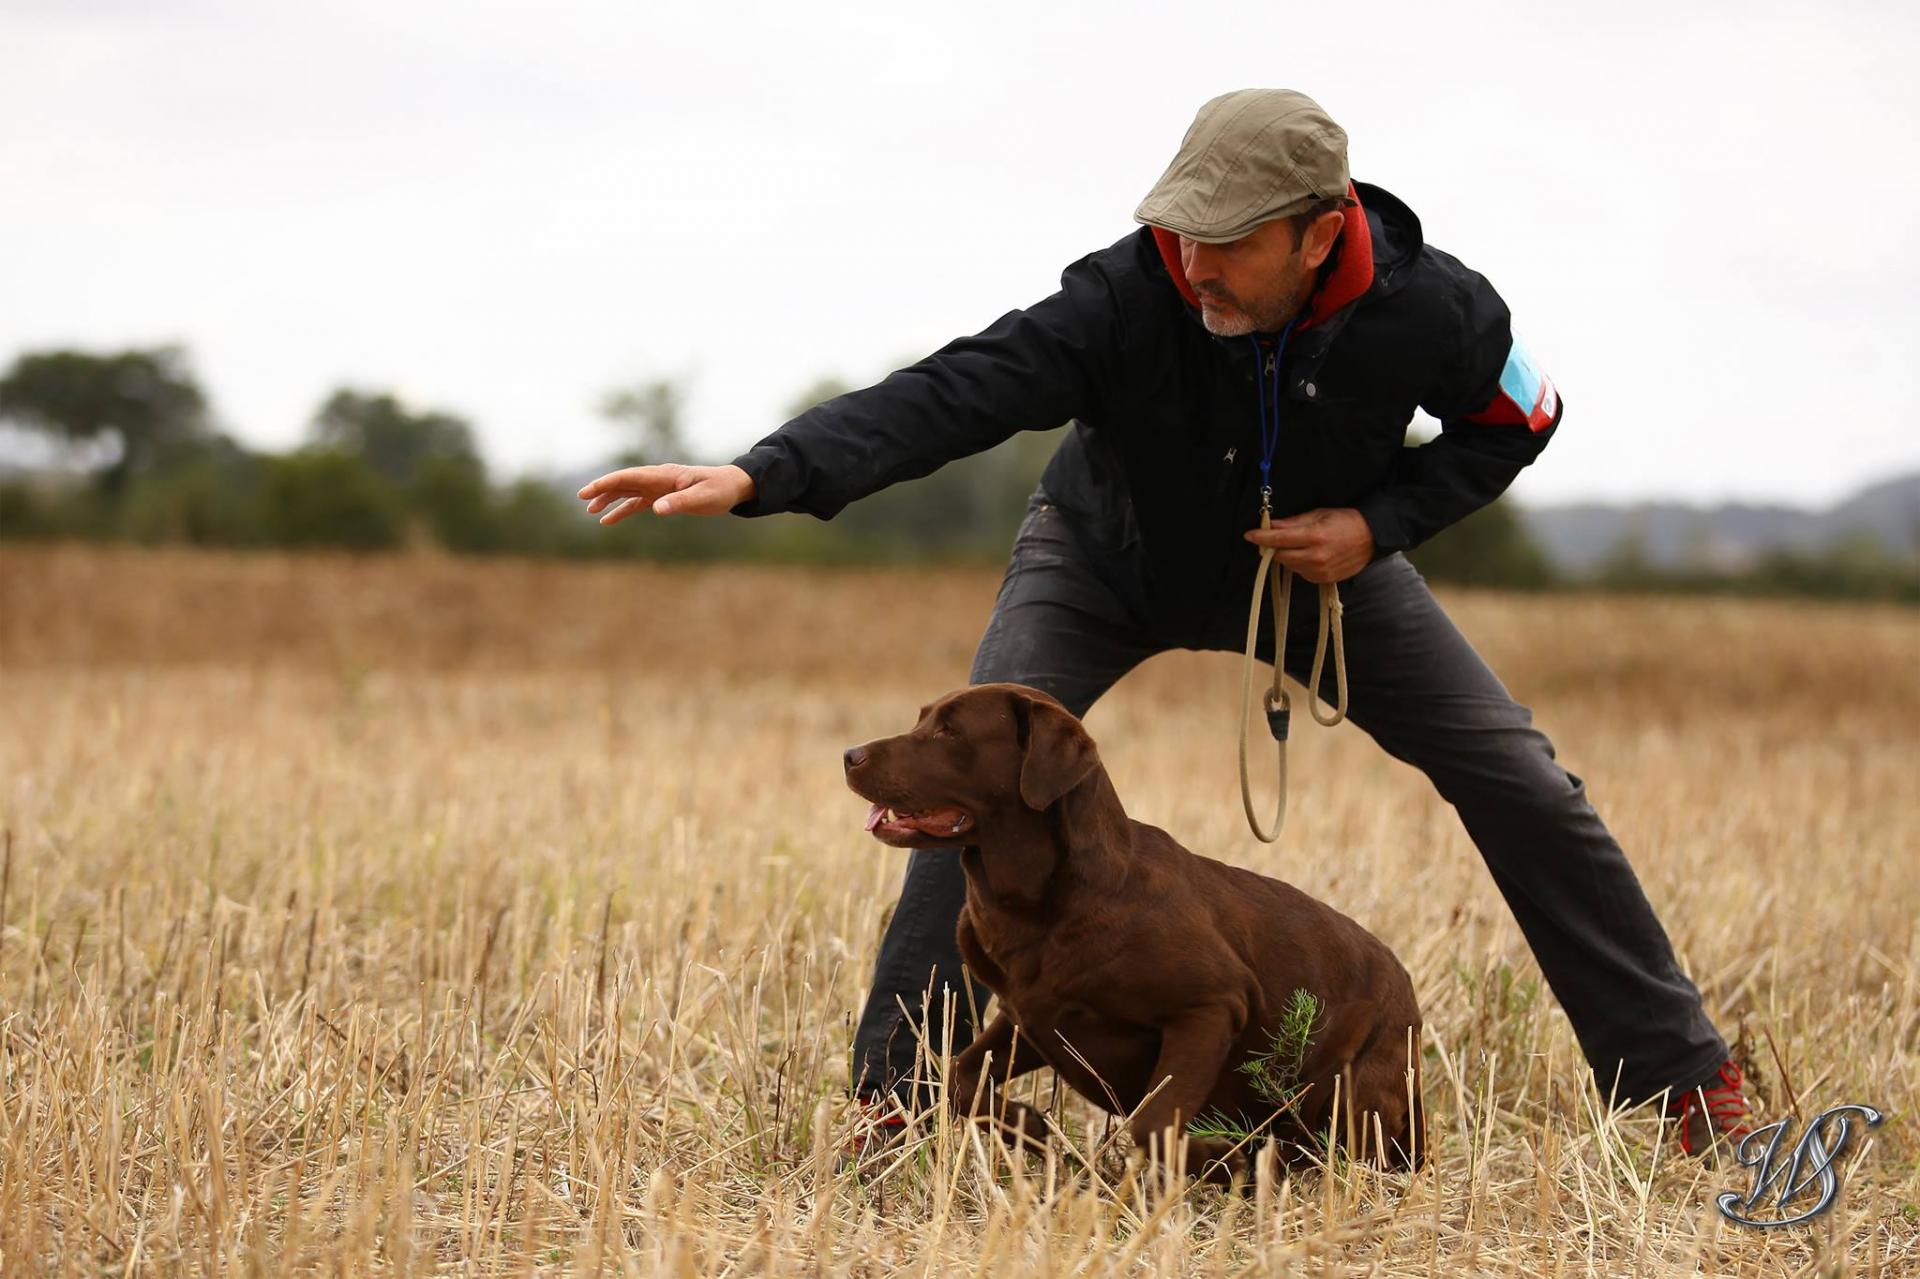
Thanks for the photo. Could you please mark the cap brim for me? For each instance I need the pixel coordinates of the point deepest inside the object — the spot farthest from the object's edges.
(1192, 234)
(1227, 235)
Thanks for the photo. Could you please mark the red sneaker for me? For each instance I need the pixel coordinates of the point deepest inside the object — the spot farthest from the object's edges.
(1715, 1110)
(878, 1124)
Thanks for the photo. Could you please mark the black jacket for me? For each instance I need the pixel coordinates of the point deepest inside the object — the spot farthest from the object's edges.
(1162, 462)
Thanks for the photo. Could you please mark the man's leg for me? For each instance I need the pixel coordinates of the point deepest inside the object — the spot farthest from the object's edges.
(1419, 689)
(1055, 627)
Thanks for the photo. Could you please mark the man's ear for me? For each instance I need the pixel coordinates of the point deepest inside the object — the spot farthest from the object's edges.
(1058, 754)
(1321, 234)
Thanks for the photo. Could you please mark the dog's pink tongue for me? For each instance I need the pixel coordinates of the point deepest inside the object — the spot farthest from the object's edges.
(873, 818)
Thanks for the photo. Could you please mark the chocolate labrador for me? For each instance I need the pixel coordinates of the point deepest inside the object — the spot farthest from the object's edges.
(1156, 982)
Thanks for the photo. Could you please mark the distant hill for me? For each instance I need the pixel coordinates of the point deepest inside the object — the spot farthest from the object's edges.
(1731, 537)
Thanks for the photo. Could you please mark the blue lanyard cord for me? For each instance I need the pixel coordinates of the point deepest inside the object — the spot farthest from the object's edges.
(1269, 416)
(1271, 571)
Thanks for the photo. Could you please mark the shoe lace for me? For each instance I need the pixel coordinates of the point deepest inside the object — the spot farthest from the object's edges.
(881, 1112)
(1723, 1103)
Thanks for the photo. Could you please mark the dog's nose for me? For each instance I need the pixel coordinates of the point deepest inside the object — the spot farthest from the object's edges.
(855, 756)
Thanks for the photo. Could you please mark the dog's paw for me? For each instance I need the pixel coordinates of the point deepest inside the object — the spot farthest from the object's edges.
(1021, 1126)
(1219, 1162)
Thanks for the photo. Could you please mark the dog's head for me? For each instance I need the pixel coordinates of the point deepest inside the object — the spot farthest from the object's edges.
(980, 760)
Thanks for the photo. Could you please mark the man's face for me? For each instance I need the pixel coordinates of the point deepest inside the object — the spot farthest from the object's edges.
(1255, 284)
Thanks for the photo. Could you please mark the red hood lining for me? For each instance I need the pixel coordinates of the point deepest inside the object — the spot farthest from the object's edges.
(1351, 276)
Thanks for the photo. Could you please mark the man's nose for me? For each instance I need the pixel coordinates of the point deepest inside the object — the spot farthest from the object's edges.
(855, 756)
(1198, 261)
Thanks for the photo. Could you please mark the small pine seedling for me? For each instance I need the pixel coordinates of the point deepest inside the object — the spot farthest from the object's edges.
(1275, 1073)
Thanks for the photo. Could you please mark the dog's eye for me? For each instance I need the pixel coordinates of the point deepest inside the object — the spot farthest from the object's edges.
(941, 730)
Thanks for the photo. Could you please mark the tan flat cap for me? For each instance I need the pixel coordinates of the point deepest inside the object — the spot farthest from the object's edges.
(1251, 156)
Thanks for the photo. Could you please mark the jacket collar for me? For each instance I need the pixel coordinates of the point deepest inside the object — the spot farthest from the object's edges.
(1351, 276)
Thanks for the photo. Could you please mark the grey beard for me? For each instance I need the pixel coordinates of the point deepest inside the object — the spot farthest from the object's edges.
(1245, 322)
(1240, 324)
(1220, 326)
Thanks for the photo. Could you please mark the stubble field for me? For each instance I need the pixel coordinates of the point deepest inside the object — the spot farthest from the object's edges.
(412, 915)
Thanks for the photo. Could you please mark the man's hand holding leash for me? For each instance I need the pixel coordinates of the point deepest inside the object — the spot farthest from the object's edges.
(1321, 546)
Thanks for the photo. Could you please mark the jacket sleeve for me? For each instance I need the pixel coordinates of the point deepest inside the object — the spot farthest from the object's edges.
(1032, 369)
(1497, 410)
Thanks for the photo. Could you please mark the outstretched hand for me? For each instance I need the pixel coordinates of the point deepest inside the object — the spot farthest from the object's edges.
(669, 488)
(1321, 546)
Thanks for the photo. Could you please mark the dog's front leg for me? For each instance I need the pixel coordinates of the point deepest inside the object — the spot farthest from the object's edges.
(1001, 1050)
(1193, 1051)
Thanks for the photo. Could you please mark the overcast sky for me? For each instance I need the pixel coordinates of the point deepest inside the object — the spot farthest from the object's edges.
(1703, 216)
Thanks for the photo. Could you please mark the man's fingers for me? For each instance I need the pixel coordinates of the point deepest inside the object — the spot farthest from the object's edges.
(644, 481)
(1310, 566)
(1321, 566)
(1311, 561)
(612, 481)
(624, 507)
(1285, 539)
(617, 499)
(604, 484)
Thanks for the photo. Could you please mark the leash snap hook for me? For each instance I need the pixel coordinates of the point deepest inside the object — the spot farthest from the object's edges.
(1279, 714)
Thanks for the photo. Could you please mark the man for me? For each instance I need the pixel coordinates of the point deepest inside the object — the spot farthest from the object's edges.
(1266, 335)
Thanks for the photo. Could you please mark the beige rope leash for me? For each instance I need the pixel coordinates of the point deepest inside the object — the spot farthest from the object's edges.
(1277, 704)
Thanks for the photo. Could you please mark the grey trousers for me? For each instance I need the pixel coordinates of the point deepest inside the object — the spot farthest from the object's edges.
(1419, 690)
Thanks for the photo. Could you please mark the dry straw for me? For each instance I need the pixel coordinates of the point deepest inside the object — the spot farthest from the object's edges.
(417, 916)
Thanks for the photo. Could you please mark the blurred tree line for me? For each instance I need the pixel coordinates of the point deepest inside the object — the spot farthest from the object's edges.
(377, 473)
(1852, 568)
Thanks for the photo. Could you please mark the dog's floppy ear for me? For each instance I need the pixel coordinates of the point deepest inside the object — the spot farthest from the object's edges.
(1058, 754)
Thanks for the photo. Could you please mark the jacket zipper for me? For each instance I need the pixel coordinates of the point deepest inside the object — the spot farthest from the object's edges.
(1225, 485)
